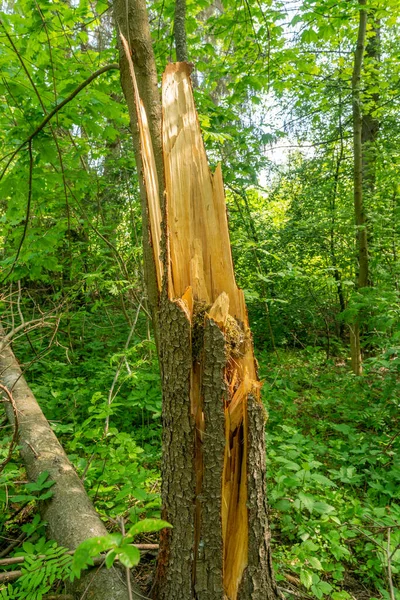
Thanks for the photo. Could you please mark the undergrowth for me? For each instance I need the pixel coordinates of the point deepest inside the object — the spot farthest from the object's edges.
(333, 447)
(333, 443)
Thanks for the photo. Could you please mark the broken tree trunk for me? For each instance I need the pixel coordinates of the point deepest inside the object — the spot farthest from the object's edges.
(69, 513)
(213, 468)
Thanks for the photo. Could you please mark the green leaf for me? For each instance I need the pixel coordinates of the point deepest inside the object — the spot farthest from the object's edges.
(283, 505)
(325, 587)
(93, 547)
(323, 508)
(129, 555)
(307, 501)
(148, 525)
(309, 36)
(28, 548)
(306, 578)
(111, 555)
(139, 494)
(314, 562)
(323, 480)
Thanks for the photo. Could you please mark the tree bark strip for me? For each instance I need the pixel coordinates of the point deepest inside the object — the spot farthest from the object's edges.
(131, 20)
(180, 31)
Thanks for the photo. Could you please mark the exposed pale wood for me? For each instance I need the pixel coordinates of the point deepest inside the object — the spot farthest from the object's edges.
(197, 223)
(220, 309)
(201, 260)
(200, 296)
(150, 178)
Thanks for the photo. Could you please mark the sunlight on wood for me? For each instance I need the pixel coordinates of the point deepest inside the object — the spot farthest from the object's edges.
(149, 171)
(201, 281)
(201, 261)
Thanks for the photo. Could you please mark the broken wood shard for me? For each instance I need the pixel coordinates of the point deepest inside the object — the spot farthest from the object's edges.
(149, 174)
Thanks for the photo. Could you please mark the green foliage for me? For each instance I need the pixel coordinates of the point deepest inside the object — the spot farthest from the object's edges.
(37, 490)
(272, 87)
(120, 467)
(117, 545)
(44, 564)
(334, 473)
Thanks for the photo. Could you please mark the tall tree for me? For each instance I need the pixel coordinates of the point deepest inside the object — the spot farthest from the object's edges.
(359, 208)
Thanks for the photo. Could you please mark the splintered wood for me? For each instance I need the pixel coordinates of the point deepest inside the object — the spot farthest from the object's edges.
(149, 171)
(200, 269)
(200, 280)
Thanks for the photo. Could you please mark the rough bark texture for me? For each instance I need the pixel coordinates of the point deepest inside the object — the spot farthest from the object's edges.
(209, 559)
(180, 31)
(208, 367)
(178, 476)
(359, 209)
(355, 349)
(258, 581)
(69, 512)
(336, 271)
(370, 121)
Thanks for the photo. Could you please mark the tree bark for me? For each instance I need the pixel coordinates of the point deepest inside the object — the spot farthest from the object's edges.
(69, 513)
(336, 271)
(180, 31)
(370, 120)
(359, 210)
(213, 466)
(210, 492)
(130, 17)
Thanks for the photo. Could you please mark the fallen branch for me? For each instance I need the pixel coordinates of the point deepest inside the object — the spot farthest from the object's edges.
(69, 513)
(25, 327)
(13, 545)
(59, 597)
(10, 576)
(15, 435)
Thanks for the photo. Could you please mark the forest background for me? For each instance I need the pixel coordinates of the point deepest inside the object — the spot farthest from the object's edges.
(274, 88)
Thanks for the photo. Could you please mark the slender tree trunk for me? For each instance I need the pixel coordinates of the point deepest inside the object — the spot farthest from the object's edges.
(370, 121)
(69, 513)
(213, 466)
(336, 272)
(180, 31)
(359, 211)
(131, 19)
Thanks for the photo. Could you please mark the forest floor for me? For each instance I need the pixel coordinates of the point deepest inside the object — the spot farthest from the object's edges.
(333, 473)
(333, 447)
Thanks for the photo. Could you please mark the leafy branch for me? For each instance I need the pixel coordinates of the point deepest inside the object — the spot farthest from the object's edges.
(54, 111)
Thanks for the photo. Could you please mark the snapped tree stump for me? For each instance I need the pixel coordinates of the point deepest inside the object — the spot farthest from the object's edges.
(213, 467)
